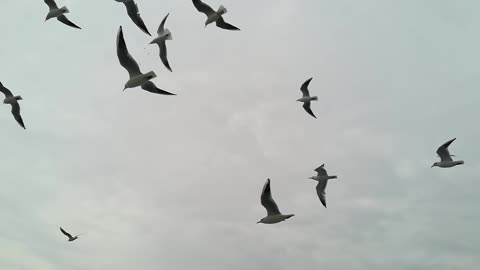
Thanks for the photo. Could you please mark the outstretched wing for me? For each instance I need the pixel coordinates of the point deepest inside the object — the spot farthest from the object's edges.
(163, 55)
(307, 108)
(304, 87)
(162, 25)
(321, 191)
(267, 200)
(134, 14)
(51, 4)
(66, 233)
(321, 170)
(5, 91)
(16, 114)
(152, 88)
(224, 25)
(443, 152)
(66, 21)
(202, 7)
(126, 60)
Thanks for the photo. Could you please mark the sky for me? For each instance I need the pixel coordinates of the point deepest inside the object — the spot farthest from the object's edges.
(174, 182)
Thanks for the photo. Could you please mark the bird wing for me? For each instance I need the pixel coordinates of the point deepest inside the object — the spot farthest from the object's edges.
(321, 171)
(134, 14)
(321, 191)
(162, 25)
(224, 25)
(163, 54)
(51, 4)
(152, 88)
(66, 233)
(202, 7)
(267, 200)
(126, 60)
(66, 21)
(443, 152)
(307, 108)
(16, 114)
(304, 88)
(5, 91)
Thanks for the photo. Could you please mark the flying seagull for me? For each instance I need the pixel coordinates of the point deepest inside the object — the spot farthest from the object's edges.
(70, 237)
(58, 13)
(306, 97)
(214, 16)
(322, 177)
(12, 100)
(137, 78)
(273, 214)
(446, 160)
(134, 14)
(163, 36)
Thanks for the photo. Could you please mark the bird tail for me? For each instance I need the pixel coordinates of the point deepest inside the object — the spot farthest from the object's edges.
(315, 98)
(221, 10)
(168, 35)
(65, 10)
(18, 98)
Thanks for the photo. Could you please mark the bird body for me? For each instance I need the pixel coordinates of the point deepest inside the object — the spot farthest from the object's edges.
(160, 40)
(70, 237)
(273, 213)
(140, 79)
(13, 101)
(59, 13)
(322, 177)
(306, 98)
(214, 16)
(446, 160)
(55, 12)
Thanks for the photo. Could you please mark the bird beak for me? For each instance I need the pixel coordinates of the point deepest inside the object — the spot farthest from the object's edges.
(124, 89)
(258, 222)
(432, 166)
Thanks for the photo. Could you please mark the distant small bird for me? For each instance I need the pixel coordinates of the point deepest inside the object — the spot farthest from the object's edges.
(70, 237)
(134, 14)
(137, 78)
(273, 214)
(163, 36)
(58, 13)
(306, 97)
(214, 16)
(322, 177)
(12, 100)
(446, 160)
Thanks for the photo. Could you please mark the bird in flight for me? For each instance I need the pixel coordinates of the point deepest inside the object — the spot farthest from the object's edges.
(134, 14)
(13, 100)
(70, 237)
(322, 177)
(137, 78)
(59, 13)
(214, 16)
(306, 97)
(163, 36)
(446, 160)
(273, 213)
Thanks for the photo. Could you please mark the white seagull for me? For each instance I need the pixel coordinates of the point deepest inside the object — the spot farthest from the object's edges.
(163, 36)
(137, 78)
(12, 100)
(70, 237)
(214, 16)
(58, 13)
(322, 177)
(306, 97)
(446, 160)
(273, 214)
(134, 14)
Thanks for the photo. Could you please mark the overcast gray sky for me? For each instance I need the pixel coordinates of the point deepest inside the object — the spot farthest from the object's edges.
(162, 182)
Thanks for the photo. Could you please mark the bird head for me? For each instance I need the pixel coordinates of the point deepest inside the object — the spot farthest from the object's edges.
(434, 164)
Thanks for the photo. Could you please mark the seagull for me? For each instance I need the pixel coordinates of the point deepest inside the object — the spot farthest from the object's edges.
(273, 214)
(70, 237)
(13, 100)
(137, 78)
(58, 13)
(214, 16)
(163, 36)
(306, 97)
(322, 177)
(446, 160)
(134, 14)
